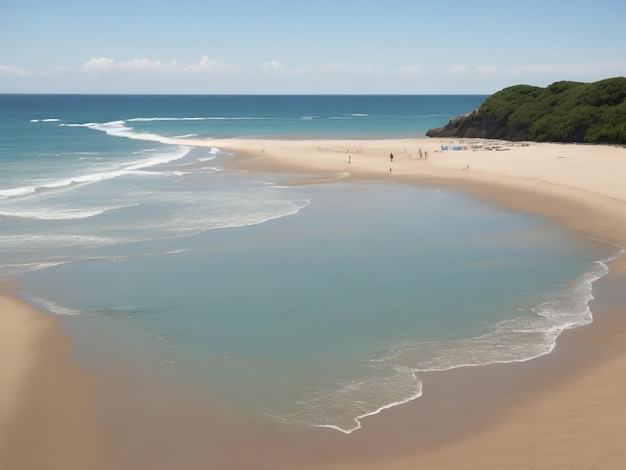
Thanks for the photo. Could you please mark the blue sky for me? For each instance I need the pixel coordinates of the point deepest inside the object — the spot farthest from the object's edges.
(307, 47)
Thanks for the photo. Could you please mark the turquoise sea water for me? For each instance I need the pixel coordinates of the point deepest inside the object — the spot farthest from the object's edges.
(313, 305)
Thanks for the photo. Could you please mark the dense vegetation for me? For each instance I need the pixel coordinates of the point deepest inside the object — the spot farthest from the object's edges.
(563, 112)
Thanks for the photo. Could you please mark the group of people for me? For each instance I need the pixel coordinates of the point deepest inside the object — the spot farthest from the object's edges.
(422, 155)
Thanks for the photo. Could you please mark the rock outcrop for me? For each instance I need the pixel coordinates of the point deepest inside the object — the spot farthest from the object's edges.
(477, 125)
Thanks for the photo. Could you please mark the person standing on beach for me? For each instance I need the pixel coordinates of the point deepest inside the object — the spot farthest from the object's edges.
(391, 157)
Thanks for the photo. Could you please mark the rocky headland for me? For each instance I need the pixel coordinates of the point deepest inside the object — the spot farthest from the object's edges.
(561, 112)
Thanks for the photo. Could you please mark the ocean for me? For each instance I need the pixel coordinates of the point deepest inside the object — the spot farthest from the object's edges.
(308, 305)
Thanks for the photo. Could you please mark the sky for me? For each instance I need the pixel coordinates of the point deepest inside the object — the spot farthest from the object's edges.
(306, 46)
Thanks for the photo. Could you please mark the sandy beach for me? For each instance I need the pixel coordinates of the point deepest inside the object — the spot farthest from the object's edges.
(47, 417)
(564, 410)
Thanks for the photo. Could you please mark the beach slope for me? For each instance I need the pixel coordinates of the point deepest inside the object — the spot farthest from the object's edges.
(47, 417)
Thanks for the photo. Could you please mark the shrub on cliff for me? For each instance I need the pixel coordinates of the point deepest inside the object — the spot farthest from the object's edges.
(564, 111)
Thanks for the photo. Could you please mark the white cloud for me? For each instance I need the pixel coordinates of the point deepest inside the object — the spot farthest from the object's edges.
(455, 70)
(408, 72)
(584, 70)
(104, 64)
(274, 67)
(147, 64)
(492, 77)
(207, 65)
(11, 70)
(487, 69)
(609, 68)
(99, 64)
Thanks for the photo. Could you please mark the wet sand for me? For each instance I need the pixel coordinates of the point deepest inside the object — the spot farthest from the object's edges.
(47, 414)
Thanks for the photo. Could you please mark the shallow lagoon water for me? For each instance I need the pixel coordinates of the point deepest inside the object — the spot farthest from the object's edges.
(329, 314)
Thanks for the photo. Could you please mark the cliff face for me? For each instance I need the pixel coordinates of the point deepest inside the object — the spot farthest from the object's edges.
(476, 125)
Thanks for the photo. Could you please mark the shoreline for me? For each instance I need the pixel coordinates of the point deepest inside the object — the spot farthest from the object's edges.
(507, 416)
(567, 183)
(47, 414)
(577, 186)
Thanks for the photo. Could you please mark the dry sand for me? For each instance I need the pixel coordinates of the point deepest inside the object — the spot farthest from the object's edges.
(565, 410)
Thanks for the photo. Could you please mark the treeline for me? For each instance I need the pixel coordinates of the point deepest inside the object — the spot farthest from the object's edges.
(564, 111)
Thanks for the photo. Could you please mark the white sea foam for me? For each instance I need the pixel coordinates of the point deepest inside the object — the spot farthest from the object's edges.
(26, 242)
(153, 119)
(235, 212)
(17, 269)
(53, 307)
(250, 118)
(87, 124)
(119, 129)
(206, 118)
(129, 167)
(135, 256)
(515, 340)
(16, 192)
(50, 213)
(159, 159)
(344, 409)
